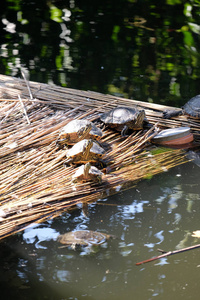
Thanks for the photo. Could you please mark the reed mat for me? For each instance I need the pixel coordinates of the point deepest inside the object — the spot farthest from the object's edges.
(84, 101)
(34, 182)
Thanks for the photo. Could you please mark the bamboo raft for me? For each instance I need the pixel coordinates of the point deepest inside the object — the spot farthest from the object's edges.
(34, 183)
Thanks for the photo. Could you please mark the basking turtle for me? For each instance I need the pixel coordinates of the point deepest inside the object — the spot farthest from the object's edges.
(78, 130)
(84, 151)
(123, 118)
(87, 173)
(85, 238)
(191, 108)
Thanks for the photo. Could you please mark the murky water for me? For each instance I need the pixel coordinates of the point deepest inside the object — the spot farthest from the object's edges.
(160, 213)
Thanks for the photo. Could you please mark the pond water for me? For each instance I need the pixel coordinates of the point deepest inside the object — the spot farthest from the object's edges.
(160, 213)
(134, 49)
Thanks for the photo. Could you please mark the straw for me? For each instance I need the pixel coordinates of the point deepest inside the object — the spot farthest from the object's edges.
(34, 182)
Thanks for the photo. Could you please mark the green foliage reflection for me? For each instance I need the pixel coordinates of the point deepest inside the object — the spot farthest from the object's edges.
(136, 49)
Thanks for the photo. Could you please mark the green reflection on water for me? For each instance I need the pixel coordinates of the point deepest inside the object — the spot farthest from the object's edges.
(143, 51)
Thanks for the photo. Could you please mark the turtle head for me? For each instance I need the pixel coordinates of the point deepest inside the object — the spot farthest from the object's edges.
(87, 168)
(84, 131)
(139, 118)
(88, 145)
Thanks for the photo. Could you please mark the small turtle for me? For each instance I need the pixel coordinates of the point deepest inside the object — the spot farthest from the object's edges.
(84, 151)
(84, 238)
(123, 118)
(87, 173)
(78, 130)
(191, 108)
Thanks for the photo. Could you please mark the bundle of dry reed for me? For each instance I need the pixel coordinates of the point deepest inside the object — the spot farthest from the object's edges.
(34, 183)
(65, 98)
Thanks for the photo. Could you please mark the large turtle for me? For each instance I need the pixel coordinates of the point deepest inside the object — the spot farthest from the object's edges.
(84, 151)
(191, 108)
(87, 172)
(77, 130)
(123, 118)
(85, 238)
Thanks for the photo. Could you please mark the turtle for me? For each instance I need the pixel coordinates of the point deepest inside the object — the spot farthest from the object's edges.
(85, 151)
(123, 118)
(84, 238)
(191, 108)
(87, 172)
(77, 130)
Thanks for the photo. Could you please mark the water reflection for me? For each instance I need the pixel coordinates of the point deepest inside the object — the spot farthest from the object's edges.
(143, 220)
(34, 235)
(140, 52)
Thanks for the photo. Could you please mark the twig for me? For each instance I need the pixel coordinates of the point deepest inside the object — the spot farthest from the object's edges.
(9, 112)
(168, 254)
(28, 85)
(24, 109)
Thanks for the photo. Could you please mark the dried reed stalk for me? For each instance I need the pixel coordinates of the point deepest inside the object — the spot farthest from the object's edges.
(65, 98)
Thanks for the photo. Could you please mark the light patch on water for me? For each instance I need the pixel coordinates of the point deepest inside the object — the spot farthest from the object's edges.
(149, 245)
(177, 218)
(173, 199)
(162, 261)
(64, 275)
(10, 27)
(22, 275)
(160, 236)
(160, 199)
(32, 234)
(129, 211)
(125, 249)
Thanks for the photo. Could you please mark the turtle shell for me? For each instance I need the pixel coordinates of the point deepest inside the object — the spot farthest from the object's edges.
(120, 116)
(85, 238)
(85, 151)
(76, 130)
(192, 107)
(87, 173)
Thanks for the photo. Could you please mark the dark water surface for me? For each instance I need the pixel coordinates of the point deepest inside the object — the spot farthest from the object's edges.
(135, 49)
(157, 213)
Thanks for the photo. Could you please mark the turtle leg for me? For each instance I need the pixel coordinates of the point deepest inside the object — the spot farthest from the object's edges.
(99, 180)
(124, 131)
(101, 164)
(167, 114)
(146, 124)
(61, 143)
